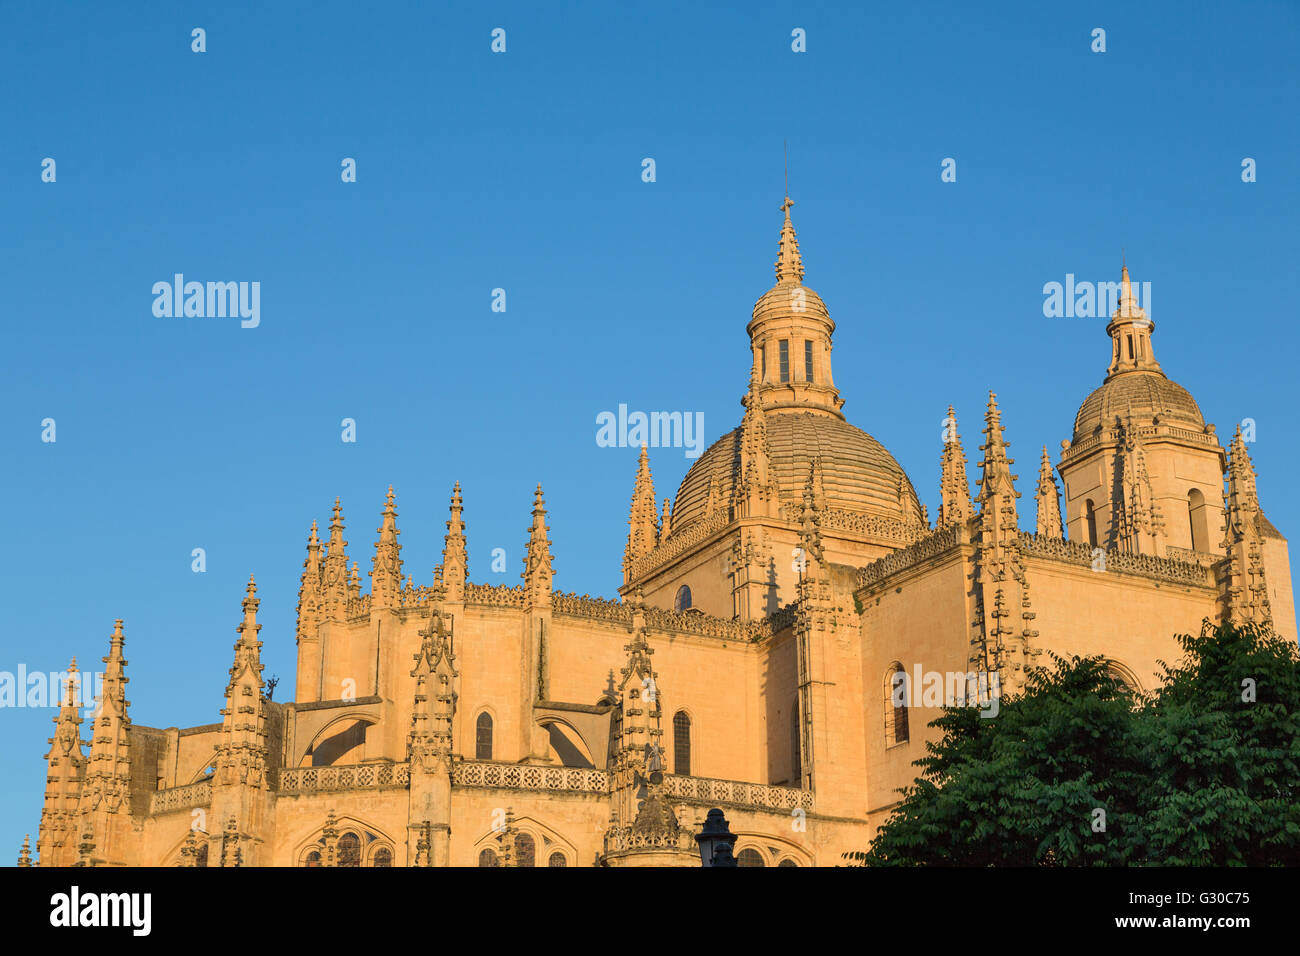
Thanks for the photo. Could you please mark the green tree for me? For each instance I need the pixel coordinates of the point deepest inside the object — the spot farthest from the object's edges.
(1197, 773)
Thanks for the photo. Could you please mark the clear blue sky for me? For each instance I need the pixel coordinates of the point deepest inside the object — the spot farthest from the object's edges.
(523, 171)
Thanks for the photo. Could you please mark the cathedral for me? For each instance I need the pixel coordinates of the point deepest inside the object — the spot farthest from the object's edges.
(780, 626)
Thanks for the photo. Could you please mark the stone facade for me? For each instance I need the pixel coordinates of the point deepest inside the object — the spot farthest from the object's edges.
(772, 620)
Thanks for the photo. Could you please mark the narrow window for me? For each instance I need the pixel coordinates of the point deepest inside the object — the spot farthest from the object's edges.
(762, 358)
(483, 737)
(807, 361)
(1090, 522)
(682, 743)
(349, 850)
(785, 360)
(896, 701)
(1130, 345)
(525, 850)
(683, 602)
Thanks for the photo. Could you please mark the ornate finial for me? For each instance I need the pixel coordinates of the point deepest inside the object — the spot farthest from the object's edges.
(25, 855)
(789, 264)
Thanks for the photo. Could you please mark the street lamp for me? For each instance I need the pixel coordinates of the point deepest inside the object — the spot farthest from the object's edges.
(716, 840)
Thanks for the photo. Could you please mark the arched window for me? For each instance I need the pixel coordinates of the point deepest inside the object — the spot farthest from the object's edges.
(1198, 520)
(487, 858)
(483, 737)
(557, 859)
(787, 862)
(807, 360)
(683, 601)
(383, 857)
(201, 858)
(349, 850)
(525, 850)
(796, 754)
(1090, 523)
(682, 743)
(897, 698)
(313, 859)
(749, 857)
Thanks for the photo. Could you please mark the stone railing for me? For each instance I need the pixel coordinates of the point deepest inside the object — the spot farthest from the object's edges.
(181, 798)
(750, 796)
(344, 777)
(494, 595)
(873, 526)
(592, 608)
(937, 543)
(1188, 556)
(679, 542)
(511, 776)
(620, 839)
(1170, 569)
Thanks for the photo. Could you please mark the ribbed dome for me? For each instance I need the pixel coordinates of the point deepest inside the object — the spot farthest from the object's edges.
(790, 298)
(1148, 394)
(858, 474)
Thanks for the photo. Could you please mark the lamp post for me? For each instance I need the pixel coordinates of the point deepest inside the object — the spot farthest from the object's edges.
(716, 840)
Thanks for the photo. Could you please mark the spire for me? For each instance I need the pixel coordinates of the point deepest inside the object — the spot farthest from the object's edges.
(105, 794)
(66, 766)
(637, 745)
(1049, 500)
(1137, 526)
(954, 488)
(336, 567)
(1130, 331)
(810, 538)
(310, 589)
(1003, 637)
(997, 484)
(429, 742)
(354, 583)
(455, 557)
(241, 749)
(1243, 590)
(666, 523)
(643, 523)
(386, 565)
(538, 572)
(755, 493)
(25, 854)
(789, 264)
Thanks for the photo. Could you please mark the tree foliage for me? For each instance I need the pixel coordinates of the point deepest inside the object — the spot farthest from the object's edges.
(1077, 771)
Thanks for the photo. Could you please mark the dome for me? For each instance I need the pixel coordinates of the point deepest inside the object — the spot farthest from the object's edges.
(1149, 395)
(859, 475)
(790, 298)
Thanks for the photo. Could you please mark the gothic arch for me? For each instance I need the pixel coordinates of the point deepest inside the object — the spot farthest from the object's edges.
(773, 851)
(1125, 674)
(546, 842)
(371, 839)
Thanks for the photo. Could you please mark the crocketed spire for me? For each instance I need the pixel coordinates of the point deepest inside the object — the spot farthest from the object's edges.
(789, 264)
